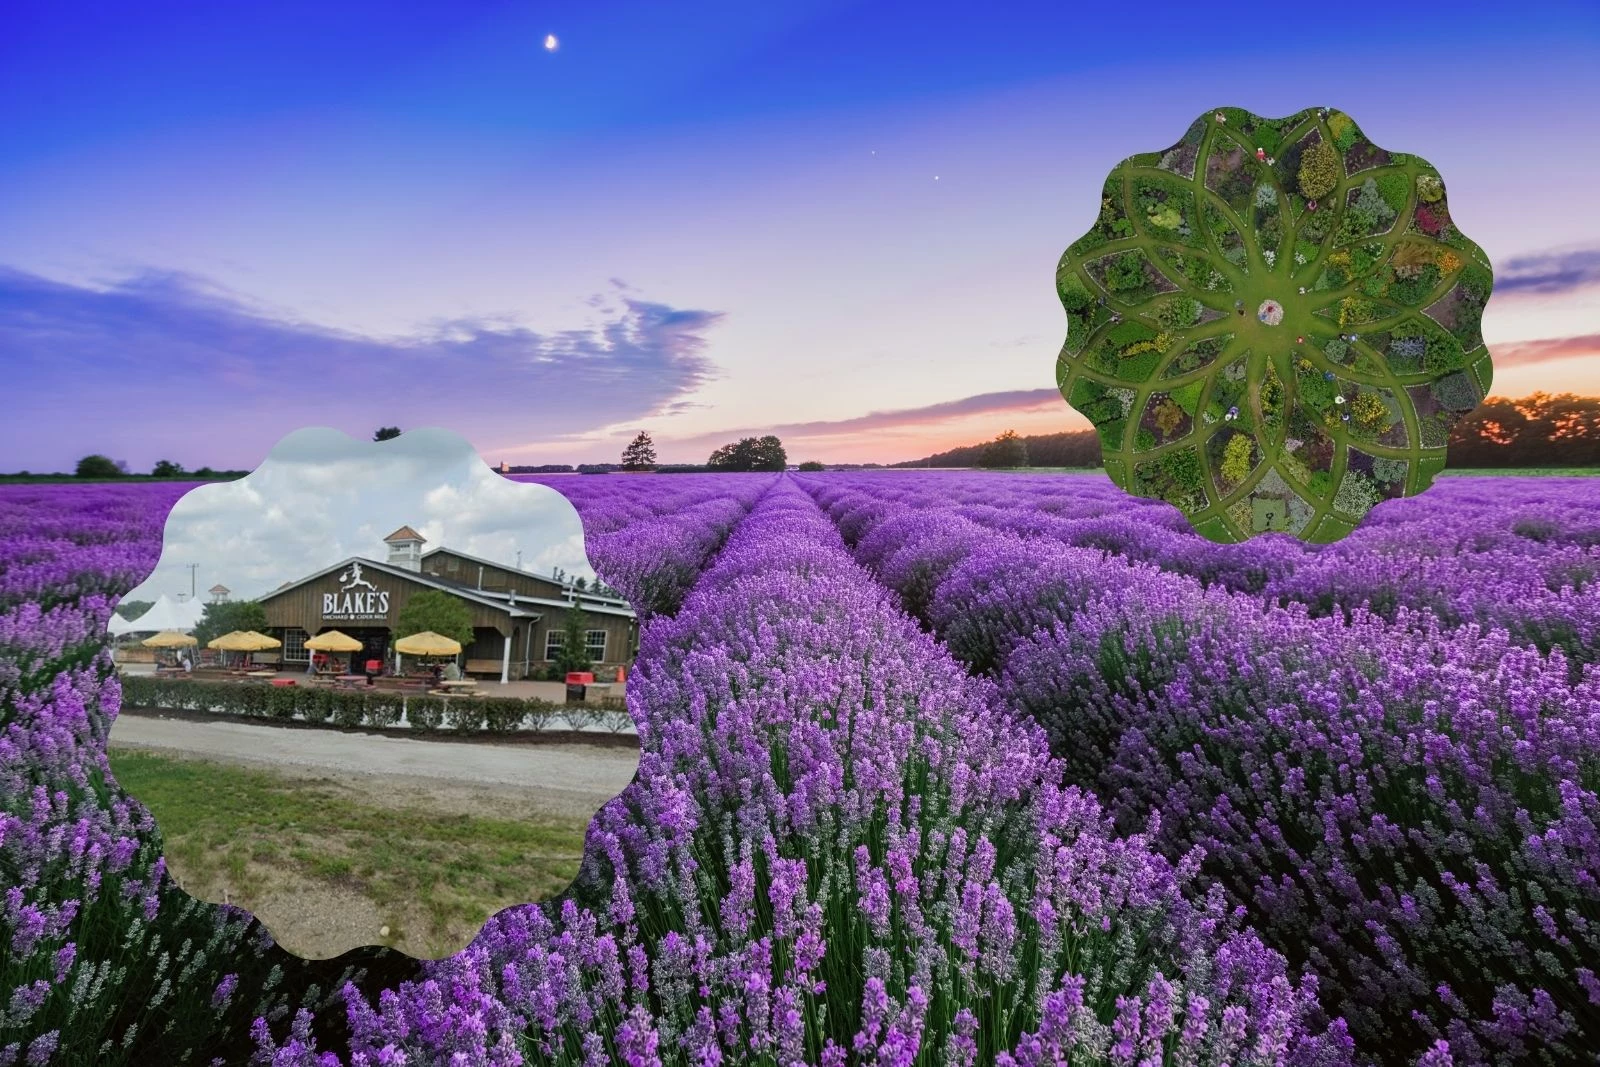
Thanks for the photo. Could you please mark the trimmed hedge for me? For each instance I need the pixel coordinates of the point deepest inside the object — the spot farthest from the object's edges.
(375, 708)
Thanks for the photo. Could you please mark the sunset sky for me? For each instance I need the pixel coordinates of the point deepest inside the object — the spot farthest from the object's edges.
(835, 222)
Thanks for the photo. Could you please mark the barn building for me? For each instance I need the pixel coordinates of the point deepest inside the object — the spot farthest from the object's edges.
(518, 618)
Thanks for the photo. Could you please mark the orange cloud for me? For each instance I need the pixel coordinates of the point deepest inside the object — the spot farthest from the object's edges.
(1521, 353)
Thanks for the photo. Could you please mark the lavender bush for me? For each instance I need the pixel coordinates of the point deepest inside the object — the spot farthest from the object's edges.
(1406, 803)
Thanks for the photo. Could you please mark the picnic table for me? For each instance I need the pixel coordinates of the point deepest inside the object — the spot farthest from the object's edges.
(349, 681)
(261, 674)
(462, 683)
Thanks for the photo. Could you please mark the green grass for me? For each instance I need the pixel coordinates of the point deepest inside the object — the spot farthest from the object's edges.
(229, 825)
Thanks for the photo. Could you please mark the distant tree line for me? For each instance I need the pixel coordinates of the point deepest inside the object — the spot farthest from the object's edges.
(1541, 430)
(1078, 448)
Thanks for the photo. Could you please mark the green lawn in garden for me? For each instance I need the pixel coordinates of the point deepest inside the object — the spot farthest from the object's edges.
(227, 825)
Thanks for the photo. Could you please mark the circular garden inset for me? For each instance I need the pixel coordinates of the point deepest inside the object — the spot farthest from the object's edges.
(1274, 324)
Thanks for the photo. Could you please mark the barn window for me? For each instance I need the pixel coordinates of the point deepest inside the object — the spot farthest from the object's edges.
(595, 644)
(294, 645)
(553, 641)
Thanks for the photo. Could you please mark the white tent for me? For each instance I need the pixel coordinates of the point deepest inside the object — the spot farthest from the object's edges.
(164, 614)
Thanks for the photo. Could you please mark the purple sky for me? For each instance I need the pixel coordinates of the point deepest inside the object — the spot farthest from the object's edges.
(222, 227)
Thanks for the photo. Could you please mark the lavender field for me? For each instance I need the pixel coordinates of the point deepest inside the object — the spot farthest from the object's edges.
(937, 768)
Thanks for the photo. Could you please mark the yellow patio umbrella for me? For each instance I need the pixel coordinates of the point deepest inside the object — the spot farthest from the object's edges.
(334, 641)
(427, 643)
(169, 639)
(243, 641)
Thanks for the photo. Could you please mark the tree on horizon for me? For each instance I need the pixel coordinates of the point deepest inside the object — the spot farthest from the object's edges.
(750, 454)
(386, 433)
(640, 455)
(1006, 450)
(98, 466)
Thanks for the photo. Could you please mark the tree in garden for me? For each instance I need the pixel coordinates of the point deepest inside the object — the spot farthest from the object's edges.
(1168, 416)
(225, 618)
(386, 433)
(438, 611)
(640, 455)
(1126, 273)
(1149, 340)
(1075, 296)
(165, 468)
(98, 466)
(1319, 170)
(750, 454)
(573, 655)
(1369, 412)
(1236, 456)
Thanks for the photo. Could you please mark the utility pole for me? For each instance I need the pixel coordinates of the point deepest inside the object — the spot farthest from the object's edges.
(192, 567)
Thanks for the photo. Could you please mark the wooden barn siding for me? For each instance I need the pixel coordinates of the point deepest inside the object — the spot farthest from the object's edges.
(617, 640)
(495, 579)
(302, 607)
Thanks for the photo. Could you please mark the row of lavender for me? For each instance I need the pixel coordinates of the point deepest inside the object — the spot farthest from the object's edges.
(1522, 554)
(1407, 808)
(838, 849)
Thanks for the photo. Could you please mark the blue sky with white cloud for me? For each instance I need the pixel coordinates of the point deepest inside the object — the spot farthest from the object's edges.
(839, 221)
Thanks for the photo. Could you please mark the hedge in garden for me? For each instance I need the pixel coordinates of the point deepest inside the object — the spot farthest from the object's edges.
(1274, 324)
(373, 708)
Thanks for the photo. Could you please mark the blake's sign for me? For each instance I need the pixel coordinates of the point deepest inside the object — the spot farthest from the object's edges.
(350, 602)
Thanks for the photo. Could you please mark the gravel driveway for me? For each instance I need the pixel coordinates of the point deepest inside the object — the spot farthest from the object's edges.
(569, 780)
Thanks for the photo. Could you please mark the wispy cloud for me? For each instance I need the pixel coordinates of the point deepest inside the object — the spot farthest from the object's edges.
(162, 365)
(1555, 271)
(1521, 353)
(930, 415)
